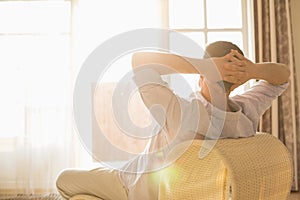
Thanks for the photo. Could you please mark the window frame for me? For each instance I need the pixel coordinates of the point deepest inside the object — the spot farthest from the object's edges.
(247, 22)
(247, 29)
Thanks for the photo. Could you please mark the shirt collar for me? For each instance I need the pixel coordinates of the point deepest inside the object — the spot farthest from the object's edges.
(216, 111)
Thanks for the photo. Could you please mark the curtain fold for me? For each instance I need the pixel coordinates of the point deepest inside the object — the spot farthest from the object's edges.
(30, 163)
(36, 136)
(273, 43)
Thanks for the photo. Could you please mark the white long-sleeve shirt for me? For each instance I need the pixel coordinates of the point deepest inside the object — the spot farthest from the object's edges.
(183, 119)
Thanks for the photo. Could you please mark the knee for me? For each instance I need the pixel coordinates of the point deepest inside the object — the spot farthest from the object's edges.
(60, 179)
(62, 182)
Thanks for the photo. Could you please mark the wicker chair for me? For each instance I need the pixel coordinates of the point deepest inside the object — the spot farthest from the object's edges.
(256, 168)
(84, 197)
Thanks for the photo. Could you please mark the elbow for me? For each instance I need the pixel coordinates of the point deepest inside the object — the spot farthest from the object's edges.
(134, 60)
(138, 59)
(281, 76)
(284, 75)
(287, 73)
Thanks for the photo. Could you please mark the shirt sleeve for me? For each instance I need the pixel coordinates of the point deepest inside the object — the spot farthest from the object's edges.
(162, 103)
(179, 114)
(261, 95)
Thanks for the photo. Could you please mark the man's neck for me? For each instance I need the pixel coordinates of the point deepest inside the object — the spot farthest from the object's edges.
(218, 98)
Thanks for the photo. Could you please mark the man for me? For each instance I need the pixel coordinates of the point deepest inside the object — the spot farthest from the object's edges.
(185, 119)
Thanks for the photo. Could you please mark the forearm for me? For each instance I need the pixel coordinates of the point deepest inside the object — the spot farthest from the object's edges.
(165, 63)
(214, 69)
(274, 73)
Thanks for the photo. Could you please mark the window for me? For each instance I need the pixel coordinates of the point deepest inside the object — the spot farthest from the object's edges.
(34, 64)
(206, 21)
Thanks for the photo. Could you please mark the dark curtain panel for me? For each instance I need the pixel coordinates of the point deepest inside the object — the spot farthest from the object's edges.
(273, 43)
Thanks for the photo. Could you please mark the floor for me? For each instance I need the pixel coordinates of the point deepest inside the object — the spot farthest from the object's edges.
(295, 196)
(31, 197)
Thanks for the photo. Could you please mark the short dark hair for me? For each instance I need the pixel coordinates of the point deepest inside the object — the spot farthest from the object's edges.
(220, 49)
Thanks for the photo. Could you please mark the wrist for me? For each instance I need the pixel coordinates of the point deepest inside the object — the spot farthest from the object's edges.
(209, 67)
(254, 71)
(201, 66)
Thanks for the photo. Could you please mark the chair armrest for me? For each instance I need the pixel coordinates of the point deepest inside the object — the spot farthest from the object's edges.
(258, 167)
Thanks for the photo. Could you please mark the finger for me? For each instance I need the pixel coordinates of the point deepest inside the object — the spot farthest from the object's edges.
(239, 63)
(233, 59)
(238, 68)
(234, 67)
(235, 77)
(237, 54)
(229, 56)
(236, 74)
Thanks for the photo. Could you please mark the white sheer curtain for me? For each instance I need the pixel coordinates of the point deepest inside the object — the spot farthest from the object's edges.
(36, 137)
(43, 44)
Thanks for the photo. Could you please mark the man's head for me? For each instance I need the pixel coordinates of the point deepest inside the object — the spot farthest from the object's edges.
(220, 49)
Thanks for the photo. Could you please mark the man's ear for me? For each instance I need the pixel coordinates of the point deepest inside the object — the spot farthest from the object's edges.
(200, 81)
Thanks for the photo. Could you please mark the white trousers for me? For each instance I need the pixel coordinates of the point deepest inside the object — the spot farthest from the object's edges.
(100, 182)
